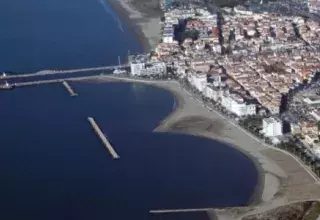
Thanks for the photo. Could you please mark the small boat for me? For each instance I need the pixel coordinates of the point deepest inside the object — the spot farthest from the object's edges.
(119, 71)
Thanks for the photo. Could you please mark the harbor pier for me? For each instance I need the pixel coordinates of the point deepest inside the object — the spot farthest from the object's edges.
(163, 211)
(69, 89)
(103, 138)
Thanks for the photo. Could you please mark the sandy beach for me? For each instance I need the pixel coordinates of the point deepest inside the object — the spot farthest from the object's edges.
(283, 178)
(141, 17)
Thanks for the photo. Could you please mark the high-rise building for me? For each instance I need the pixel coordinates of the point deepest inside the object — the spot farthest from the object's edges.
(136, 68)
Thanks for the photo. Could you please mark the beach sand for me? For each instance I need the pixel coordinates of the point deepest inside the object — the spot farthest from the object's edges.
(283, 179)
(141, 17)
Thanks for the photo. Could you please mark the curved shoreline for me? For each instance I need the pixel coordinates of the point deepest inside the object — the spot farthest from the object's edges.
(166, 123)
(179, 104)
(134, 21)
(283, 179)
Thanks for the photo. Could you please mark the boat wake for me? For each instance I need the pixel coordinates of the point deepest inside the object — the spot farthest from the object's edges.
(115, 17)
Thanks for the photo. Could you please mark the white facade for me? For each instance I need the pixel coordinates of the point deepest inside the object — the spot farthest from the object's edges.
(155, 69)
(168, 34)
(272, 127)
(237, 105)
(212, 92)
(167, 39)
(198, 80)
(136, 68)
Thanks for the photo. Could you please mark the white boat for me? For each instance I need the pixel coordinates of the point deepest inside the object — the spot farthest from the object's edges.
(119, 71)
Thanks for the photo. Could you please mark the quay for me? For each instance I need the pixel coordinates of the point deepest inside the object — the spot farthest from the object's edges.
(50, 81)
(103, 138)
(52, 72)
(69, 89)
(162, 211)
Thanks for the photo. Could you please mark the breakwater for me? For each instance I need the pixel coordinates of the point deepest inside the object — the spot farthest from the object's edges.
(33, 83)
(69, 89)
(103, 138)
(52, 72)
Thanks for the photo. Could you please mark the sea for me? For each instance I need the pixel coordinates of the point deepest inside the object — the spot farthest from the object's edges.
(52, 164)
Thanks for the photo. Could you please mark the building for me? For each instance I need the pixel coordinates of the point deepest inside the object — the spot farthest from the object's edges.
(314, 101)
(198, 80)
(136, 68)
(213, 92)
(236, 104)
(137, 63)
(272, 127)
(158, 68)
(168, 34)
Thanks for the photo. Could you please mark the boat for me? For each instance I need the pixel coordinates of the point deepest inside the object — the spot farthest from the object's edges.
(7, 86)
(119, 71)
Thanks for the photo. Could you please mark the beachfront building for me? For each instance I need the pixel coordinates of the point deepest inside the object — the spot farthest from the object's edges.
(198, 80)
(137, 63)
(213, 92)
(136, 68)
(271, 127)
(168, 34)
(158, 68)
(236, 104)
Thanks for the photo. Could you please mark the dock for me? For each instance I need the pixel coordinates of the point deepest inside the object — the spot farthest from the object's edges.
(69, 89)
(52, 81)
(103, 138)
(162, 211)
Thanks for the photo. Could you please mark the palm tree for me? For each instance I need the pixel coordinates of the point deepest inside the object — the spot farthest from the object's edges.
(313, 165)
(308, 160)
(304, 157)
(318, 126)
(317, 171)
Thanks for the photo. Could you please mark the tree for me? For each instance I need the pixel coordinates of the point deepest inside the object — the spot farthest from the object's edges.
(318, 126)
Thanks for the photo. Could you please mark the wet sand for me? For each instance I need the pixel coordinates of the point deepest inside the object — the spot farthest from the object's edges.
(142, 18)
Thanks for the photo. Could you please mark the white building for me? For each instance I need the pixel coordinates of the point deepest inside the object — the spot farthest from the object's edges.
(168, 34)
(158, 68)
(235, 104)
(198, 80)
(213, 92)
(136, 68)
(271, 127)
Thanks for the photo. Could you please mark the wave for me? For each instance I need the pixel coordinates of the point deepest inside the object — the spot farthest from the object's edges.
(110, 12)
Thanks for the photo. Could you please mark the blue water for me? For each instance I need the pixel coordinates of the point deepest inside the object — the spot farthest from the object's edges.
(60, 34)
(53, 166)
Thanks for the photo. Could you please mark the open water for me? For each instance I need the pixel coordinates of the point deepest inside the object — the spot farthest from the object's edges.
(53, 166)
